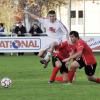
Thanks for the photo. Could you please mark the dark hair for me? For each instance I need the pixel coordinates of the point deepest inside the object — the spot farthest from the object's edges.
(75, 33)
(51, 12)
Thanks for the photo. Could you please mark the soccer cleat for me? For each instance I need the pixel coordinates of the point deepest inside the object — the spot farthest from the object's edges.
(51, 81)
(43, 61)
(45, 65)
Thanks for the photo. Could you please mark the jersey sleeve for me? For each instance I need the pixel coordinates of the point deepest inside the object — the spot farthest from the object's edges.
(41, 20)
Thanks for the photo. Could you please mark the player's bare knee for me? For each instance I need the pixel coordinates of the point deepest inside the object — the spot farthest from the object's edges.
(58, 63)
(53, 44)
(40, 55)
(74, 65)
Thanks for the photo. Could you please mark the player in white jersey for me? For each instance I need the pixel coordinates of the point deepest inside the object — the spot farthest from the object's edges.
(54, 30)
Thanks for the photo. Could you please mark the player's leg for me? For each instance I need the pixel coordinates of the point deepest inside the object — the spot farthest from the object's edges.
(64, 72)
(42, 54)
(77, 63)
(56, 66)
(48, 54)
(50, 50)
(90, 72)
(65, 77)
(45, 54)
(72, 71)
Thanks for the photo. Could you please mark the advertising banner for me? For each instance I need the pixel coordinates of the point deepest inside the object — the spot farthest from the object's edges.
(93, 42)
(34, 44)
(20, 44)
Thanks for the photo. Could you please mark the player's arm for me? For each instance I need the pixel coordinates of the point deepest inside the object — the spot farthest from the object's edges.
(77, 54)
(64, 30)
(73, 56)
(32, 15)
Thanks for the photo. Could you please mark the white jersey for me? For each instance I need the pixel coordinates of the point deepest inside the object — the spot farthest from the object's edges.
(54, 30)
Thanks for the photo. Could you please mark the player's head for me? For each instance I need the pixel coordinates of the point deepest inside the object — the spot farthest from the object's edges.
(74, 35)
(52, 15)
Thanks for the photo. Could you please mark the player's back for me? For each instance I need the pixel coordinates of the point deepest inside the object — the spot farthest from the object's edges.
(64, 49)
(87, 53)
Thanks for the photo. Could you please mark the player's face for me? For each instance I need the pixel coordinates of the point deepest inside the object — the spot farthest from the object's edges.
(52, 17)
(73, 38)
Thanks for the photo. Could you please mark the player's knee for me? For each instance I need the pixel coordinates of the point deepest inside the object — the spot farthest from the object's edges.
(58, 63)
(74, 65)
(40, 55)
(54, 44)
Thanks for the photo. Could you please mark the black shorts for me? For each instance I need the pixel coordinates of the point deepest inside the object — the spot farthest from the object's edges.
(89, 69)
(63, 67)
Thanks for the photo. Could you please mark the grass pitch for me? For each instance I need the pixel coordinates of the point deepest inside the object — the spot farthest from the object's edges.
(29, 81)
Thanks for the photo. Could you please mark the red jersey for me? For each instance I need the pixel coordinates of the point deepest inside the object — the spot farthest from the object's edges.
(87, 53)
(63, 50)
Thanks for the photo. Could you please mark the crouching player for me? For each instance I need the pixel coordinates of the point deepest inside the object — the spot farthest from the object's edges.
(64, 50)
(84, 58)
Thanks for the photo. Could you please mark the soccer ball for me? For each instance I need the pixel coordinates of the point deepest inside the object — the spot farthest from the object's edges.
(6, 82)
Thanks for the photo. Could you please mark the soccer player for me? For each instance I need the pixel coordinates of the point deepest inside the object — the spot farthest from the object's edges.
(63, 50)
(55, 30)
(83, 58)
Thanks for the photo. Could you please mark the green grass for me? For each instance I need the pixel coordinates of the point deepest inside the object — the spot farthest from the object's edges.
(30, 81)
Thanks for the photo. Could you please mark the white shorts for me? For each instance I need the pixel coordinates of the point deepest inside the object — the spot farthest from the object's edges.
(48, 41)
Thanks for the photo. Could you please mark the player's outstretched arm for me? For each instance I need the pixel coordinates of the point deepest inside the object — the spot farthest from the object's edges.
(30, 14)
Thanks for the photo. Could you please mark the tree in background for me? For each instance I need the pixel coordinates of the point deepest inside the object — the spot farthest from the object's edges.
(6, 13)
(12, 10)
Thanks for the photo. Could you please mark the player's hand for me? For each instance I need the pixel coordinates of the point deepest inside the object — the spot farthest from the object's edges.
(66, 60)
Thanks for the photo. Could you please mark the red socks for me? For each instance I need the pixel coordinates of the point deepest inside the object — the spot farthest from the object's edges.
(59, 78)
(54, 72)
(98, 80)
(71, 75)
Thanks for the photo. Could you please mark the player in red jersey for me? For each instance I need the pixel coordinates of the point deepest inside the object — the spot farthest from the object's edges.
(62, 51)
(83, 58)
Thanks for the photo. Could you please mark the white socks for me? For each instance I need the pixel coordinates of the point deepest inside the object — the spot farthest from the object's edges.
(47, 56)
